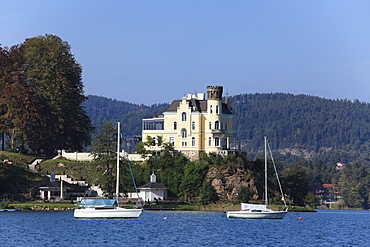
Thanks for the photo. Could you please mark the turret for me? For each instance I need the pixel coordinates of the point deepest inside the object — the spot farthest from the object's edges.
(214, 92)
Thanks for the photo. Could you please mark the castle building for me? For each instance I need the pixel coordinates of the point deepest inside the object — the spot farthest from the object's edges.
(194, 124)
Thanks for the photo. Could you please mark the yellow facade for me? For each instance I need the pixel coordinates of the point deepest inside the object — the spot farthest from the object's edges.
(194, 124)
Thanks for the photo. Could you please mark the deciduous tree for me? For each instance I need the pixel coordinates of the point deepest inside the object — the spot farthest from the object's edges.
(295, 183)
(41, 98)
(55, 76)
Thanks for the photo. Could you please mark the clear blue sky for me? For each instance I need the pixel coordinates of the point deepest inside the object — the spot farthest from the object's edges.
(156, 51)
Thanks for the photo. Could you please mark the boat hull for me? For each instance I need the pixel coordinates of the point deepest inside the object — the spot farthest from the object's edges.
(256, 215)
(9, 210)
(127, 213)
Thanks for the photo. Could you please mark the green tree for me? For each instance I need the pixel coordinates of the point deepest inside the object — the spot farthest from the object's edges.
(295, 183)
(171, 172)
(244, 194)
(104, 151)
(311, 200)
(354, 189)
(194, 174)
(162, 148)
(53, 74)
(207, 193)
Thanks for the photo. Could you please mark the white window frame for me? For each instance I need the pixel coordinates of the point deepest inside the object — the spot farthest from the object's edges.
(175, 125)
(184, 133)
(193, 141)
(183, 117)
(217, 141)
(217, 124)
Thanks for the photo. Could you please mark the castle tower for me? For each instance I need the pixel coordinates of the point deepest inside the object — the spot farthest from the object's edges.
(214, 92)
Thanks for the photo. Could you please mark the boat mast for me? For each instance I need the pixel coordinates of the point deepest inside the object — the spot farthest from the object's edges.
(118, 154)
(266, 198)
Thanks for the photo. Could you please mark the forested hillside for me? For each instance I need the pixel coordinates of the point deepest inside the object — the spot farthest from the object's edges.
(102, 110)
(339, 130)
(300, 121)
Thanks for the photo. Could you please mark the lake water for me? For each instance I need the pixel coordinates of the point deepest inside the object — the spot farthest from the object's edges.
(325, 228)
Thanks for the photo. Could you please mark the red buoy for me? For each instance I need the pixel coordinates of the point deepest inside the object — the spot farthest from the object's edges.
(300, 218)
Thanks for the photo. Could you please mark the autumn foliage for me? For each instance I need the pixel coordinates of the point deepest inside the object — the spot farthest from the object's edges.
(41, 96)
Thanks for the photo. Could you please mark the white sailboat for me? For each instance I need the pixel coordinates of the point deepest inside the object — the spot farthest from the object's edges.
(257, 211)
(106, 208)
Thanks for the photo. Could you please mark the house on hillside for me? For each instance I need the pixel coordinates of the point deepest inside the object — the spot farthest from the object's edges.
(328, 193)
(61, 187)
(194, 124)
(54, 190)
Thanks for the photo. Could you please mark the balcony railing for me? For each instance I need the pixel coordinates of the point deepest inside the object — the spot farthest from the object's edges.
(218, 131)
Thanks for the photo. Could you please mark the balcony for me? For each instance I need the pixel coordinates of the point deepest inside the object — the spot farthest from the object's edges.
(218, 131)
(225, 152)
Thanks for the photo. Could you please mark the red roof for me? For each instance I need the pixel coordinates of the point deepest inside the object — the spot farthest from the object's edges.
(328, 185)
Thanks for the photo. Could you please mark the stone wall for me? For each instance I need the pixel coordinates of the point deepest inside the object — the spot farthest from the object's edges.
(88, 157)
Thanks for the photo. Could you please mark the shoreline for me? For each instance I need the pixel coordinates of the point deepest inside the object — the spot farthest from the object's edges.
(188, 207)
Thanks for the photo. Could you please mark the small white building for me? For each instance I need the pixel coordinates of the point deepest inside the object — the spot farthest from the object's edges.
(153, 191)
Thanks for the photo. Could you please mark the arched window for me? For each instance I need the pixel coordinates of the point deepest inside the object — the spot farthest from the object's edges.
(209, 141)
(210, 109)
(217, 141)
(183, 117)
(193, 125)
(184, 133)
(193, 141)
(217, 109)
(175, 125)
(217, 125)
(210, 125)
